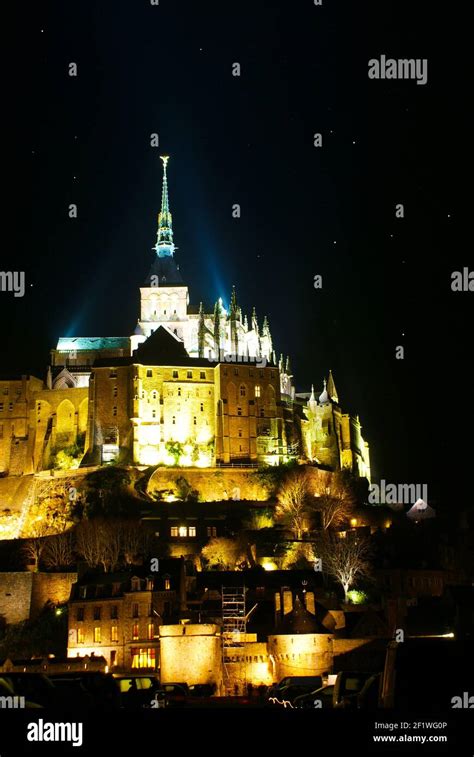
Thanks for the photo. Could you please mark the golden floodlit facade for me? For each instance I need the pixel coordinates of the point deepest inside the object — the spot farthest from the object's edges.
(190, 387)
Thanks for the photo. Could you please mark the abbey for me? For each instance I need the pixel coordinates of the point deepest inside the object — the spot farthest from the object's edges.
(191, 386)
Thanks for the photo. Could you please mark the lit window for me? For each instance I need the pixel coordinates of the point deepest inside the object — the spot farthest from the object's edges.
(80, 636)
(135, 632)
(144, 658)
(150, 631)
(114, 634)
(183, 531)
(174, 530)
(97, 635)
(167, 584)
(192, 531)
(258, 391)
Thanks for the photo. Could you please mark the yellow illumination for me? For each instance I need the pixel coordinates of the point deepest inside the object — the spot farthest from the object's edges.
(269, 565)
(353, 522)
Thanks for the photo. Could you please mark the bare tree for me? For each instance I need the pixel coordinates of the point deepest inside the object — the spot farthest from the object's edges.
(335, 502)
(292, 499)
(344, 559)
(34, 547)
(98, 542)
(58, 551)
(134, 540)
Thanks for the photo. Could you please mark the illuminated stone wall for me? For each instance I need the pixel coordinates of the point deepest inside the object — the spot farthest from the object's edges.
(301, 654)
(35, 420)
(191, 653)
(151, 407)
(249, 413)
(15, 596)
(212, 485)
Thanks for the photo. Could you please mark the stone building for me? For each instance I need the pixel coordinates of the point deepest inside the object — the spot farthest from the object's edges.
(117, 615)
(192, 386)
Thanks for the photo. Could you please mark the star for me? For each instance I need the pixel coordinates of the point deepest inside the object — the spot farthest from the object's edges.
(334, 242)
(353, 142)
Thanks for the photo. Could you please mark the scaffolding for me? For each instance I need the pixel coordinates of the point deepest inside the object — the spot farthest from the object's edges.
(234, 629)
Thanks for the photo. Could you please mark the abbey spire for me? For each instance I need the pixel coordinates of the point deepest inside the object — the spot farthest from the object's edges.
(164, 241)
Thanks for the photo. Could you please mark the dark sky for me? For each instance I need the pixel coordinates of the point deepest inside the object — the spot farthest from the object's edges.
(249, 140)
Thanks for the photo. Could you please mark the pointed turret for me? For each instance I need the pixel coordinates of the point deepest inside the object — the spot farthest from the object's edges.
(217, 329)
(49, 378)
(234, 337)
(255, 321)
(312, 404)
(323, 397)
(164, 243)
(201, 331)
(281, 363)
(288, 366)
(332, 389)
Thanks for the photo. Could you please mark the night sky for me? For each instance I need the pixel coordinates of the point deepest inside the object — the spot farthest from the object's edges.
(167, 69)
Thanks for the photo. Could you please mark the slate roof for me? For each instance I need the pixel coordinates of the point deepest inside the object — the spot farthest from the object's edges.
(68, 343)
